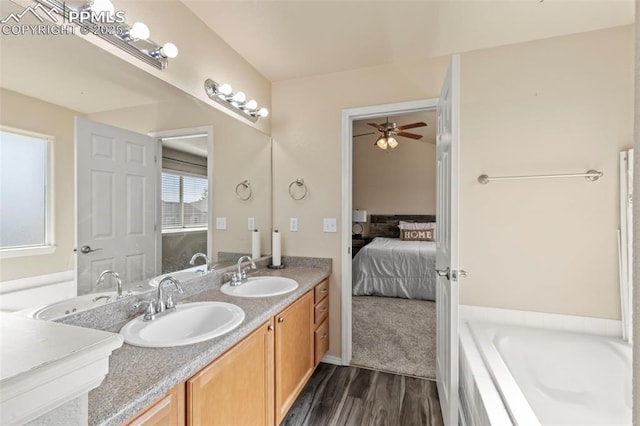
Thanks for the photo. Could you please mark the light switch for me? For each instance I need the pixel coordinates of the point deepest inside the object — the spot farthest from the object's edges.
(221, 223)
(293, 224)
(251, 223)
(330, 224)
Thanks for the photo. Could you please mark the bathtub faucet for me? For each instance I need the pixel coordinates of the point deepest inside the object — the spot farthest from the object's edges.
(116, 277)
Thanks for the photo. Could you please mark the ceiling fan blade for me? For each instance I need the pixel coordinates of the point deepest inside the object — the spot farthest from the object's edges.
(409, 135)
(364, 134)
(377, 126)
(412, 125)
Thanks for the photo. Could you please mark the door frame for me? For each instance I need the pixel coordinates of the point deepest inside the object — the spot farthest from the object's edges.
(348, 116)
(187, 132)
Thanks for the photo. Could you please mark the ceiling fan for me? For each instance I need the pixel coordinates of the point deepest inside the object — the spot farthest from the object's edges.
(388, 130)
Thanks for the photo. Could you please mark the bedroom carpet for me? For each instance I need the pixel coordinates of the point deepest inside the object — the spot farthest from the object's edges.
(395, 335)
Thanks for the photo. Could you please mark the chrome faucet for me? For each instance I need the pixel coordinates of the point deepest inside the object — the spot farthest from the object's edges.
(240, 276)
(161, 305)
(119, 293)
(209, 267)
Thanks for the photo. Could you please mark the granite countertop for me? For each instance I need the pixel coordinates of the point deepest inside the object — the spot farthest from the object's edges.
(138, 376)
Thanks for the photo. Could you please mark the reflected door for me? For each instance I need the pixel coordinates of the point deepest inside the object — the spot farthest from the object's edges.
(116, 208)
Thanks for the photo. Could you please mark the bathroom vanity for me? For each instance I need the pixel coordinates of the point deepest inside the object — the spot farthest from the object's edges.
(251, 375)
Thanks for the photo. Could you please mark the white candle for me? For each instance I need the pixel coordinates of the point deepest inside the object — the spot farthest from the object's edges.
(275, 252)
(255, 244)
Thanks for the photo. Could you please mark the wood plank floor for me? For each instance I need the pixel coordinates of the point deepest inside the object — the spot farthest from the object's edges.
(353, 396)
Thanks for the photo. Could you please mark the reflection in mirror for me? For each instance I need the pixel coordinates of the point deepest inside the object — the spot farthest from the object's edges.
(184, 190)
(85, 81)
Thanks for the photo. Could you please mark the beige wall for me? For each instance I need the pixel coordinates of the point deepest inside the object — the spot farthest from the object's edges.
(555, 105)
(240, 152)
(307, 144)
(563, 105)
(31, 114)
(402, 181)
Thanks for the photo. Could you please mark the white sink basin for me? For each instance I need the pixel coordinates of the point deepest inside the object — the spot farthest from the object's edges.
(261, 287)
(182, 276)
(189, 323)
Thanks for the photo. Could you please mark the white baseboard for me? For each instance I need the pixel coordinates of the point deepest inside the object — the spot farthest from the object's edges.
(330, 359)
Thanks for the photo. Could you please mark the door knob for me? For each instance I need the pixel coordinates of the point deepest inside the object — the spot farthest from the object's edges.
(443, 272)
(88, 249)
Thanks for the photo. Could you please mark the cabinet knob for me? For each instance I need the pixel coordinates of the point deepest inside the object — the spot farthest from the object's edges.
(270, 328)
(323, 290)
(324, 336)
(280, 319)
(323, 310)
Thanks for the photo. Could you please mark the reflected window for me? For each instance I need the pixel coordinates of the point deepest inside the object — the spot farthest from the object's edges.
(185, 201)
(24, 190)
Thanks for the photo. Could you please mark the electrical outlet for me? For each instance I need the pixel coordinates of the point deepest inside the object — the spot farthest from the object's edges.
(330, 224)
(251, 223)
(221, 223)
(293, 224)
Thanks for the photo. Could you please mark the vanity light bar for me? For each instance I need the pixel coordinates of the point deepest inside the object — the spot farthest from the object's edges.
(223, 94)
(132, 39)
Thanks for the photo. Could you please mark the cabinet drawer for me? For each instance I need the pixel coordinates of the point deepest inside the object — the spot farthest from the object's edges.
(321, 291)
(321, 311)
(322, 341)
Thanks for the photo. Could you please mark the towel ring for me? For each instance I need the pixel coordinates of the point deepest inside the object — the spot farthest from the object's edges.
(244, 187)
(300, 184)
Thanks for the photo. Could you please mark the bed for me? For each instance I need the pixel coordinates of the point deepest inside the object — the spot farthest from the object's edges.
(391, 267)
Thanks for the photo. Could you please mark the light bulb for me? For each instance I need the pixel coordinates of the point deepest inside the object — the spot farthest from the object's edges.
(252, 104)
(225, 89)
(382, 143)
(99, 6)
(139, 31)
(240, 97)
(169, 50)
(263, 112)
(392, 142)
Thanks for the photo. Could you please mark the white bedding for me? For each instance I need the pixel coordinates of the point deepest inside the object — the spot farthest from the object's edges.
(394, 268)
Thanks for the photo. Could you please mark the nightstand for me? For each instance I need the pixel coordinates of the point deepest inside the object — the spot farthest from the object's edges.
(357, 243)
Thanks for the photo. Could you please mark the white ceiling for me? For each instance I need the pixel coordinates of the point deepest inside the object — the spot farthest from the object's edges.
(297, 38)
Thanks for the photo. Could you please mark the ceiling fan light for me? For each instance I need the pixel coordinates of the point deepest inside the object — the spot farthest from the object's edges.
(382, 142)
(392, 142)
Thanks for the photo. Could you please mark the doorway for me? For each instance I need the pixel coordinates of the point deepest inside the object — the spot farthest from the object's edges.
(376, 112)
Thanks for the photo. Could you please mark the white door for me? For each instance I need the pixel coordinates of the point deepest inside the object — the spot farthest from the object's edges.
(447, 245)
(116, 205)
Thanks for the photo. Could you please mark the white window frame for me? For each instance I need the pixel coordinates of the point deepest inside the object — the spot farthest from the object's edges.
(182, 229)
(49, 246)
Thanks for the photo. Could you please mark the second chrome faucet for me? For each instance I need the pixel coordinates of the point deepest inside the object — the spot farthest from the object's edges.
(160, 305)
(240, 276)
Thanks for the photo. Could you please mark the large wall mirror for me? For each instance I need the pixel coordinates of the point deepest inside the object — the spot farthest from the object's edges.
(47, 81)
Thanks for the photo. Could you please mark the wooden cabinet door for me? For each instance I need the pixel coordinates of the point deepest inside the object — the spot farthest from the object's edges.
(294, 352)
(237, 388)
(167, 411)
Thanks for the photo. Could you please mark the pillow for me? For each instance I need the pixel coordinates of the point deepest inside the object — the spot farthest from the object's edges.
(414, 226)
(417, 234)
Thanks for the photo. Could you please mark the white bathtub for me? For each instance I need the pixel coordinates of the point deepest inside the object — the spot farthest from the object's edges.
(554, 377)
